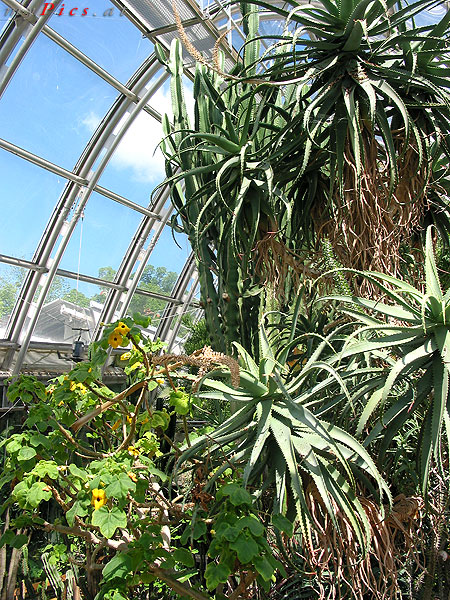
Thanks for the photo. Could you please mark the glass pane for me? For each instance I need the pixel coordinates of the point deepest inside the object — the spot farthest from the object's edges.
(137, 165)
(102, 238)
(169, 255)
(5, 14)
(151, 307)
(91, 29)
(11, 279)
(64, 93)
(25, 207)
(69, 313)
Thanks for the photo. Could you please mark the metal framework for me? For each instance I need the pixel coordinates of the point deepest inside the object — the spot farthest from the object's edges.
(155, 21)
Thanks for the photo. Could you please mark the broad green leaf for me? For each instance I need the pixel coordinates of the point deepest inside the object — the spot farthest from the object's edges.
(26, 453)
(38, 492)
(283, 524)
(245, 547)
(46, 468)
(77, 472)
(236, 493)
(215, 574)
(10, 538)
(184, 556)
(109, 520)
(78, 509)
(253, 524)
(118, 567)
(264, 568)
(180, 401)
(120, 487)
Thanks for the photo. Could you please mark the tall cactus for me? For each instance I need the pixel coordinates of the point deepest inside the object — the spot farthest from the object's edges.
(228, 204)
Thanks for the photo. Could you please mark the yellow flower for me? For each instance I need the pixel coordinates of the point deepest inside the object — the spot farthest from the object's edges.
(61, 403)
(130, 418)
(125, 356)
(132, 476)
(132, 451)
(82, 388)
(122, 329)
(115, 339)
(160, 380)
(98, 498)
(73, 386)
(116, 425)
(90, 370)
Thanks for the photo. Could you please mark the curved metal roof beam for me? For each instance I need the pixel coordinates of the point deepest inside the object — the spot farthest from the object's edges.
(123, 276)
(33, 311)
(20, 27)
(82, 181)
(171, 311)
(76, 195)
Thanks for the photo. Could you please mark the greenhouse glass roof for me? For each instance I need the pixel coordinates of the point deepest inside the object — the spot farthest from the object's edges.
(82, 240)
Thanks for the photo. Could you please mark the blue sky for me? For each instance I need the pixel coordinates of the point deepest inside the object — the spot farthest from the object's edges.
(51, 108)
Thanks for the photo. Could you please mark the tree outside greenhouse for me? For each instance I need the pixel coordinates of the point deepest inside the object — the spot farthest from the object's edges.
(299, 446)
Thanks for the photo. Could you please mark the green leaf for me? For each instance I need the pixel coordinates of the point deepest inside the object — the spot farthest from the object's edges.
(37, 493)
(154, 471)
(11, 539)
(77, 472)
(236, 493)
(78, 509)
(118, 567)
(215, 574)
(120, 487)
(229, 532)
(255, 526)
(19, 541)
(26, 453)
(263, 567)
(141, 320)
(180, 401)
(46, 468)
(371, 405)
(109, 520)
(184, 556)
(420, 354)
(433, 286)
(199, 530)
(160, 418)
(38, 439)
(245, 547)
(283, 524)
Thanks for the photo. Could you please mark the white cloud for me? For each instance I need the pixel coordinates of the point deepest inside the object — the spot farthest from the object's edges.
(138, 150)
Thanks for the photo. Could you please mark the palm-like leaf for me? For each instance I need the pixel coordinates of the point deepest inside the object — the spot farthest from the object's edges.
(375, 108)
(421, 350)
(275, 435)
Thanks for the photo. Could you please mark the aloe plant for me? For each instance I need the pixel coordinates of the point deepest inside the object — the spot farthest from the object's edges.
(410, 332)
(335, 132)
(237, 220)
(278, 442)
(373, 99)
